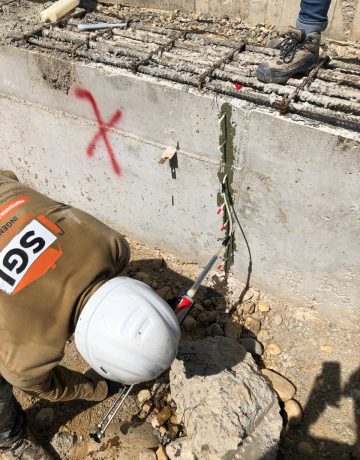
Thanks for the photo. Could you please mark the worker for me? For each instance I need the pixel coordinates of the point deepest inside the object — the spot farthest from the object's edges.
(59, 275)
(299, 50)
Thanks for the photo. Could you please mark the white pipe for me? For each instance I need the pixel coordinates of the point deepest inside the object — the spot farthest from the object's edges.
(58, 10)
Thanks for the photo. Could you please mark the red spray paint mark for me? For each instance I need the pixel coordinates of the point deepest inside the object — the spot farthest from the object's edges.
(82, 93)
(238, 86)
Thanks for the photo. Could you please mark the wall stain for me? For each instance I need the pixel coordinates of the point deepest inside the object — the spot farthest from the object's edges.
(57, 73)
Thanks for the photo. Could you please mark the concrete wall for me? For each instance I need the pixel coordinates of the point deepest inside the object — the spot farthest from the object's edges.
(344, 15)
(296, 186)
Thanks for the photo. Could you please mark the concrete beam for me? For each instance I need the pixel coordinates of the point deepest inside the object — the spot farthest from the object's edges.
(296, 186)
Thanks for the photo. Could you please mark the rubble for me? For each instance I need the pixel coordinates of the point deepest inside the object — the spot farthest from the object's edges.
(228, 399)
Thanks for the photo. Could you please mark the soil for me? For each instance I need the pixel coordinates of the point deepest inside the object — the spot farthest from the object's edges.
(318, 357)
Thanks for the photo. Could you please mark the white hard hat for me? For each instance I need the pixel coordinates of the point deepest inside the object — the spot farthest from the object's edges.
(126, 332)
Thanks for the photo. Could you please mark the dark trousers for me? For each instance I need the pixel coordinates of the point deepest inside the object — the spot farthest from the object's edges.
(11, 415)
(313, 16)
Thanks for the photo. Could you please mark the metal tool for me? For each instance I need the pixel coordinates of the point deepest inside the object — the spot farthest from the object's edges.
(109, 416)
(102, 25)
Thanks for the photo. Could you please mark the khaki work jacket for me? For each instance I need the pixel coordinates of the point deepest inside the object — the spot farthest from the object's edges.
(52, 258)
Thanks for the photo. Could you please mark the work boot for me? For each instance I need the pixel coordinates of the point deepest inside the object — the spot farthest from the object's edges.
(26, 448)
(299, 53)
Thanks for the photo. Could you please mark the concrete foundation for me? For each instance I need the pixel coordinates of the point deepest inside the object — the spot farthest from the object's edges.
(295, 181)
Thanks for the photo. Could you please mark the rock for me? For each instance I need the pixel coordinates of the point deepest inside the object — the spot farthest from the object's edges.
(161, 454)
(215, 330)
(146, 408)
(263, 306)
(230, 331)
(155, 285)
(144, 277)
(132, 436)
(273, 349)
(147, 454)
(234, 412)
(63, 442)
(277, 319)
(252, 346)
(174, 419)
(45, 417)
(248, 296)
(305, 448)
(164, 292)
(189, 323)
(281, 385)
(212, 315)
(254, 324)
(249, 308)
(144, 395)
(203, 318)
(156, 264)
(293, 412)
(163, 416)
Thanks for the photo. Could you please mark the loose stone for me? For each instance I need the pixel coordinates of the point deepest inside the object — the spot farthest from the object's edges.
(281, 385)
(249, 308)
(164, 292)
(163, 416)
(215, 330)
(161, 454)
(189, 323)
(144, 395)
(273, 349)
(293, 412)
(263, 306)
(254, 324)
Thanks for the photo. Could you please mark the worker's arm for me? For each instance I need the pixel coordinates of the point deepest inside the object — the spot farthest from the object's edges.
(9, 174)
(62, 384)
(122, 254)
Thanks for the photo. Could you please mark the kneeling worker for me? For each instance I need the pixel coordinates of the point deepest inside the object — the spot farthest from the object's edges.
(59, 274)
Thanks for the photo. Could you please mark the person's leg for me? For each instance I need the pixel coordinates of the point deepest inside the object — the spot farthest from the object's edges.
(11, 416)
(15, 443)
(313, 16)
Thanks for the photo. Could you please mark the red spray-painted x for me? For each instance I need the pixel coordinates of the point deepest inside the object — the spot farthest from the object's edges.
(103, 128)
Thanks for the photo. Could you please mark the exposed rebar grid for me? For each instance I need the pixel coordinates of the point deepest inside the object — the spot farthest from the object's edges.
(203, 60)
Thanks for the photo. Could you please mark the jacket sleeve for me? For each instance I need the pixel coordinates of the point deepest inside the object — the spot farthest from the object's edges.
(9, 174)
(122, 254)
(62, 384)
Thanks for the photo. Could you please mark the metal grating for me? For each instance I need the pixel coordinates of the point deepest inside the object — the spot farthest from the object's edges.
(208, 62)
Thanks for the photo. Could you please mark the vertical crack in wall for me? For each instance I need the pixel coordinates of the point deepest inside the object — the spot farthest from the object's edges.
(226, 146)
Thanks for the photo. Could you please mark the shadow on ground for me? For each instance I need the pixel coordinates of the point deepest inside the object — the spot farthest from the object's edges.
(326, 392)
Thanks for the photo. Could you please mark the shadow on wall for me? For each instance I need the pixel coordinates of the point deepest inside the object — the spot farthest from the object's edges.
(326, 392)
